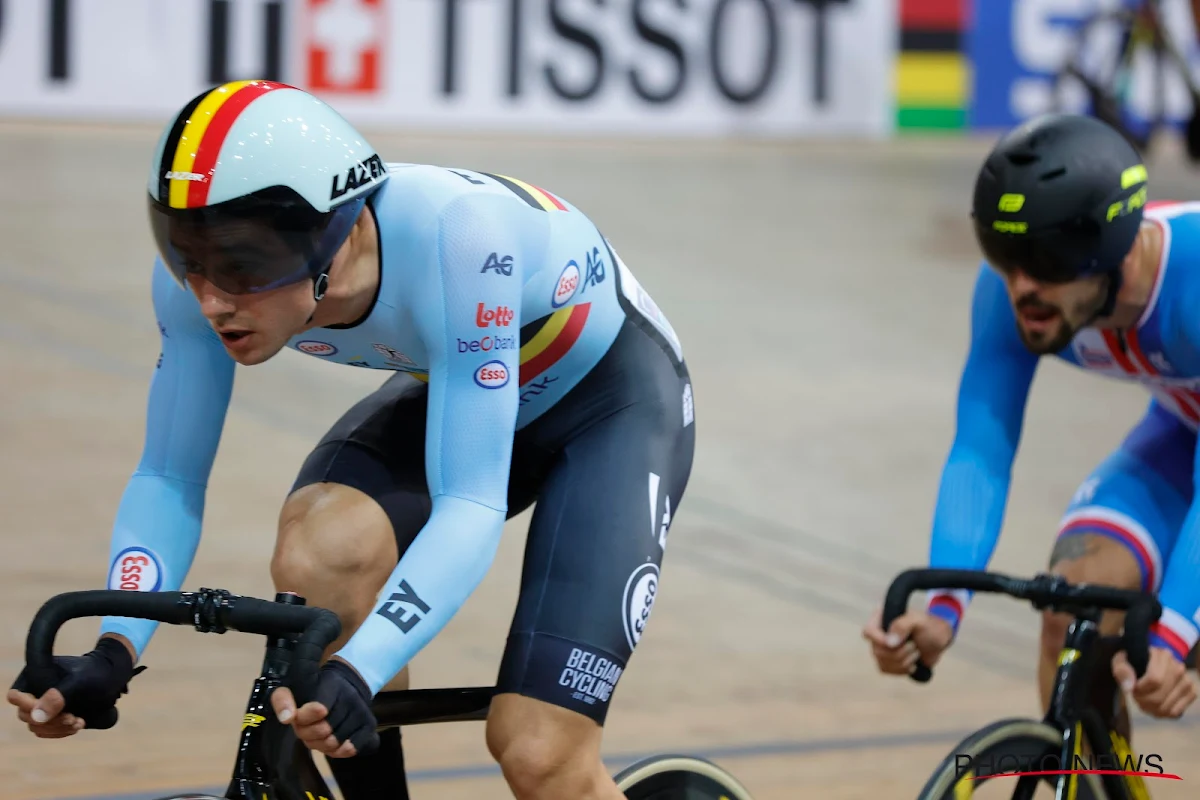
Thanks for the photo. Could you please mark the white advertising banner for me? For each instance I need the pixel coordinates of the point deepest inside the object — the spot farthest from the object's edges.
(678, 67)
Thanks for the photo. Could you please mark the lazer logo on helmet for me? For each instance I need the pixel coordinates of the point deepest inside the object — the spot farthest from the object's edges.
(185, 176)
(360, 174)
(487, 343)
(501, 316)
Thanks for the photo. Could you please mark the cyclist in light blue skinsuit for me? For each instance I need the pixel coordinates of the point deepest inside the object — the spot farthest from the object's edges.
(528, 365)
(1080, 268)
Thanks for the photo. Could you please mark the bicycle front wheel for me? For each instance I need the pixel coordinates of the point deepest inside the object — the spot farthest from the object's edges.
(670, 777)
(992, 754)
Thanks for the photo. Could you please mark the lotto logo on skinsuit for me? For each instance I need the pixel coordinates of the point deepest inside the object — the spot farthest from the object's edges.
(135, 569)
(590, 677)
(640, 591)
(568, 282)
(487, 344)
(501, 316)
(316, 348)
(492, 375)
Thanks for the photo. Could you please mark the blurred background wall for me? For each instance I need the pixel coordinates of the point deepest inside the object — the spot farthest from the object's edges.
(745, 68)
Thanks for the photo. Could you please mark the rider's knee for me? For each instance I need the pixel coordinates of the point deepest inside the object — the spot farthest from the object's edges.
(1085, 557)
(536, 766)
(543, 759)
(1089, 558)
(328, 535)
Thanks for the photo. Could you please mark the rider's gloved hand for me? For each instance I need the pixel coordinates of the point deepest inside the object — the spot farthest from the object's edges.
(338, 721)
(915, 634)
(84, 693)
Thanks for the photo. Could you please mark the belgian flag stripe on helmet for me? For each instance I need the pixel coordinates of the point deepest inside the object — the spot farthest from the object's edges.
(193, 151)
(168, 154)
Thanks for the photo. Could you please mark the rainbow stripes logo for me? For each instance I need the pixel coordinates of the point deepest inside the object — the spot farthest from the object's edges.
(194, 142)
(933, 75)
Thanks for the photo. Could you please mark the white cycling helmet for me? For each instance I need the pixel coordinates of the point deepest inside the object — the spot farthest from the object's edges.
(256, 184)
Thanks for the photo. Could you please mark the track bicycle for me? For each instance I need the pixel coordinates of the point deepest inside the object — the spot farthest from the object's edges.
(1080, 726)
(1104, 58)
(271, 763)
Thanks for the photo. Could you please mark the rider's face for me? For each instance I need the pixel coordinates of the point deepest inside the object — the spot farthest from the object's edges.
(1048, 314)
(254, 327)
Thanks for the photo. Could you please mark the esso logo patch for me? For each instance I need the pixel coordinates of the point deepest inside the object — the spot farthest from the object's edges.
(640, 590)
(492, 375)
(316, 348)
(568, 282)
(135, 569)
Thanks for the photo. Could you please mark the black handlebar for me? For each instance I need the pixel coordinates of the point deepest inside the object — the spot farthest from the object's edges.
(1043, 591)
(208, 610)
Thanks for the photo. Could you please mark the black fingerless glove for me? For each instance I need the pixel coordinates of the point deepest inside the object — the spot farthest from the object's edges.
(348, 699)
(92, 683)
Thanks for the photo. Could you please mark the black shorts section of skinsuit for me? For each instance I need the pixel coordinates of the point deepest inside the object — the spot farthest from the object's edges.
(607, 467)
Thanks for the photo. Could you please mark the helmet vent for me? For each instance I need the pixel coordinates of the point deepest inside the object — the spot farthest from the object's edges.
(1022, 159)
(1052, 174)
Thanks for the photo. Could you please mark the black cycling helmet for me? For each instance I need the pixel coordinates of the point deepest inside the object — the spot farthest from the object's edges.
(1061, 198)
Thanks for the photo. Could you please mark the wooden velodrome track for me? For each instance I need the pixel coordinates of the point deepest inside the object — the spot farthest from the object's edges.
(821, 292)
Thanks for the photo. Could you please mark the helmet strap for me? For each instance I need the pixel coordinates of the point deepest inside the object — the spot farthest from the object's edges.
(320, 286)
(1110, 301)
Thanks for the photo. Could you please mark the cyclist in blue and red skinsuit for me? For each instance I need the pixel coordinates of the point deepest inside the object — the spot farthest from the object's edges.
(527, 365)
(1078, 266)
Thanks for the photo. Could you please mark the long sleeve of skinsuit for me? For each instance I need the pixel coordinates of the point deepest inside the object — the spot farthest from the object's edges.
(157, 527)
(990, 413)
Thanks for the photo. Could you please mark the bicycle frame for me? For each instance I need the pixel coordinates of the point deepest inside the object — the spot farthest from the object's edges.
(1083, 706)
(266, 769)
